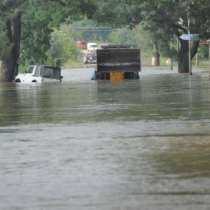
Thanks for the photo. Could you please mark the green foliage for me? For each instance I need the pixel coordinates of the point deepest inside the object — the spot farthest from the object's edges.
(39, 19)
(90, 30)
(88, 7)
(141, 23)
(143, 37)
(123, 36)
(84, 29)
(117, 13)
(62, 45)
(163, 19)
(203, 52)
(136, 37)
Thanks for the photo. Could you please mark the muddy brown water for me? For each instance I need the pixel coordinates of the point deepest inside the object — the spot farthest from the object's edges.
(88, 145)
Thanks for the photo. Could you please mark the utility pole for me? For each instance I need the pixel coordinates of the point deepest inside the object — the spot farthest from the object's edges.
(189, 41)
(209, 57)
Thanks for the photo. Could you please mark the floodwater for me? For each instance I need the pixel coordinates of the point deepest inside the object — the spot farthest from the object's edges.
(88, 145)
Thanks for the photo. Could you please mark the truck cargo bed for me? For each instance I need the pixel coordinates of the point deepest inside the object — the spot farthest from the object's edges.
(118, 59)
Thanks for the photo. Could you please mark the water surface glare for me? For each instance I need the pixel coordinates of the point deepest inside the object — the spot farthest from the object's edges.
(87, 145)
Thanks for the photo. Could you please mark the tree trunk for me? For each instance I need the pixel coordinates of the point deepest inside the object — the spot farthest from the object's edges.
(156, 55)
(183, 55)
(9, 65)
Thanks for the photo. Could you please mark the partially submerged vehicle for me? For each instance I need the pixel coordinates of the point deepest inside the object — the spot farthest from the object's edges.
(40, 73)
(117, 62)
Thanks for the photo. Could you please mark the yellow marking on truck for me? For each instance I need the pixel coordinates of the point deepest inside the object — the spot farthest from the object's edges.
(116, 75)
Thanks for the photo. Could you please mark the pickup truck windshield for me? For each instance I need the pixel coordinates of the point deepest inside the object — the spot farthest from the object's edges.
(50, 72)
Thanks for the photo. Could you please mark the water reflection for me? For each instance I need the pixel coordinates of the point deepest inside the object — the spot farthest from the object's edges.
(9, 104)
(154, 97)
(157, 97)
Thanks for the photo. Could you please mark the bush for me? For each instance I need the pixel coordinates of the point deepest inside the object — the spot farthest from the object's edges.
(62, 46)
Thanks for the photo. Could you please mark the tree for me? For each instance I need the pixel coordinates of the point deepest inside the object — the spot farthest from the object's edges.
(172, 16)
(38, 19)
(10, 27)
(162, 18)
(128, 14)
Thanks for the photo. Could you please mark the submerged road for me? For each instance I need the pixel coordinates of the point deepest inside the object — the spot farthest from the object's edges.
(90, 145)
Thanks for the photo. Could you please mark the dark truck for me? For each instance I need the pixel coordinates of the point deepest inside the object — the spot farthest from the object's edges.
(117, 62)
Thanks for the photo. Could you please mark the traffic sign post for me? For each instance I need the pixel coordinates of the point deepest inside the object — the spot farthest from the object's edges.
(190, 37)
(189, 42)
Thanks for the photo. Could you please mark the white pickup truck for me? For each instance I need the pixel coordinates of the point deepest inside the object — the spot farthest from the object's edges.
(39, 74)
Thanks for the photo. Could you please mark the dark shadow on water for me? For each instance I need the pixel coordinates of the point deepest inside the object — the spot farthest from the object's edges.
(9, 104)
(184, 157)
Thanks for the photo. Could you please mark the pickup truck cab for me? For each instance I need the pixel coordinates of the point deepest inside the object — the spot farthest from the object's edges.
(39, 74)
